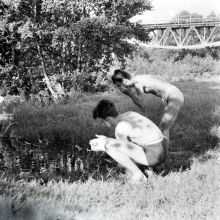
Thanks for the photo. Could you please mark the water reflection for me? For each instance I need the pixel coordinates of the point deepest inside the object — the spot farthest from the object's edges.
(45, 162)
(25, 161)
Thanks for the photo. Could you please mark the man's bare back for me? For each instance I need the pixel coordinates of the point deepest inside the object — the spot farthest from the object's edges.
(153, 84)
(136, 86)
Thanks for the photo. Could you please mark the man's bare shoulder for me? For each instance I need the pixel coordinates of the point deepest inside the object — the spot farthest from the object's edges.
(127, 119)
(134, 118)
(123, 125)
(122, 130)
(129, 114)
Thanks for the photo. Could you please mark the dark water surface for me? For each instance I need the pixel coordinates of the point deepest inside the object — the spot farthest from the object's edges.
(23, 160)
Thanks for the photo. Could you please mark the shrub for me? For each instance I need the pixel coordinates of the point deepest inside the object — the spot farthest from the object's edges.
(190, 67)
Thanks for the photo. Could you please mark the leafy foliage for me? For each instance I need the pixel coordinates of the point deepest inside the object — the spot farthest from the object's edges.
(74, 36)
(181, 65)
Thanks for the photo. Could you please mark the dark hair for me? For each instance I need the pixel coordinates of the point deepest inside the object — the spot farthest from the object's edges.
(104, 109)
(119, 75)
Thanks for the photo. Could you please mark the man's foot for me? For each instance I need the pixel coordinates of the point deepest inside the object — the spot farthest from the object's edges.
(138, 178)
(149, 172)
(128, 174)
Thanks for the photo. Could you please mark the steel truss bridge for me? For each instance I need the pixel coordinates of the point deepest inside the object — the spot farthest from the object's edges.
(185, 33)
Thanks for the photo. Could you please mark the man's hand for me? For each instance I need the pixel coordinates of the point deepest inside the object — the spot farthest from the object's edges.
(98, 144)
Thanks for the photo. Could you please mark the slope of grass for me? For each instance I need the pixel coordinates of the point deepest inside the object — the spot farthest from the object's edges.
(71, 124)
(190, 194)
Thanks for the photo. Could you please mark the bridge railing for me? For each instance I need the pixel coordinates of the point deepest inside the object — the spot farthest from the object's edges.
(186, 20)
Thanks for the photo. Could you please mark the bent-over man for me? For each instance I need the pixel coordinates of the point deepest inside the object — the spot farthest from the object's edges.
(171, 96)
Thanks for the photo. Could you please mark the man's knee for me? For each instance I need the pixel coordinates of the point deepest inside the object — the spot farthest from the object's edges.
(180, 101)
(112, 145)
(166, 124)
(168, 118)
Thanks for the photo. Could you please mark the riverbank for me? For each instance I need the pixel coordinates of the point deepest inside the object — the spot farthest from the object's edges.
(190, 194)
(51, 142)
(189, 189)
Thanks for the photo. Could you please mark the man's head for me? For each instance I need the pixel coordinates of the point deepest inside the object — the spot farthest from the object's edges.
(105, 110)
(120, 76)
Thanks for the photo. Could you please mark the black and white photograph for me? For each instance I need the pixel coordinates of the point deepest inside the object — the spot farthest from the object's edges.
(109, 109)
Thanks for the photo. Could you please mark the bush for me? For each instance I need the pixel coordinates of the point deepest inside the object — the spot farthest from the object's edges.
(190, 67)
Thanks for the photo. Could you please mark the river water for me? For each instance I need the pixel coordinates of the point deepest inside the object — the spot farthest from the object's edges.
(22, 160)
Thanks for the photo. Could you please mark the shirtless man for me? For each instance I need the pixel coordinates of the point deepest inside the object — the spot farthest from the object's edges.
(138, 139)
(135, 86)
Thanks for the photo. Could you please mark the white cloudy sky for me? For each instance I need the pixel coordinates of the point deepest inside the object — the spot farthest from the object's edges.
(166, 9)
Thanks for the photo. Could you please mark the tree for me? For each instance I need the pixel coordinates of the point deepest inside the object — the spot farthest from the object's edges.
(212, 15)
(69, 37)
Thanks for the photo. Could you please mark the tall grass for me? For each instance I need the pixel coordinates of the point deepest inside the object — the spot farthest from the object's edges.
(190, 194)
(189, 68)
(72, 122)
(71, 125)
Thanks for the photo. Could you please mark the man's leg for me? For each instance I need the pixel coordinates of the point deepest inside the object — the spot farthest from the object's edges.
(167, 122)
(171, 111)
(126, 154)
(125, 161)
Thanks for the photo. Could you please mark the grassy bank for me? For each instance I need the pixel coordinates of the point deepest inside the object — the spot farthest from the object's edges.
(190, 194)
(71, 124)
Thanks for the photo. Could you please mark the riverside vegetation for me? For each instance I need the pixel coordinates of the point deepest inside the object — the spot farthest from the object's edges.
(70, 126)
(47, 170)
(187, 189)
(71, 123)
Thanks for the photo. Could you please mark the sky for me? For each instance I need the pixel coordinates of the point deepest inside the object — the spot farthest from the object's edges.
(167, 9)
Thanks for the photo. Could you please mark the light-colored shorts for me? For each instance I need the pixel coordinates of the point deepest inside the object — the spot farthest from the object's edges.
(155, 154)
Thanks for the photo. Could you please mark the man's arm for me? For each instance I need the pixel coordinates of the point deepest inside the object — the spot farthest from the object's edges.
(137, 97)
(122, 130)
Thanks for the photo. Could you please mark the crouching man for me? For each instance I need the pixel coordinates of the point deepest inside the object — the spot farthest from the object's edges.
(138, 139)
